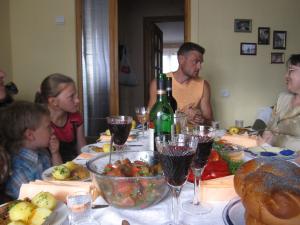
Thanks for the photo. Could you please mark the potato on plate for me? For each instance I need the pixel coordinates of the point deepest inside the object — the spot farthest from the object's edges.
(39, 216)
(21, 211)
(61, 172)
(44, 200)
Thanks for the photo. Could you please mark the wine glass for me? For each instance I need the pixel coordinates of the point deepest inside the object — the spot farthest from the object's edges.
(119, 127)
(175, 153)
(205, 135)
(142, 115)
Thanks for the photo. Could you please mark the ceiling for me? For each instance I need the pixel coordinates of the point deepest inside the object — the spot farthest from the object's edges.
(173, 32)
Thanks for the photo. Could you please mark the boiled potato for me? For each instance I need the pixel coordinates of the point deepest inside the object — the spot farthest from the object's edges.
(21, 211)
(16, 223)
(44, 200)
(106, 147)
(61, 172)
(71, 165)
(107, 132)
(39, 216)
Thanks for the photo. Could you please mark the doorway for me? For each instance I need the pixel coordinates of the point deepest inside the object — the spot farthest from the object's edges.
(122, 99)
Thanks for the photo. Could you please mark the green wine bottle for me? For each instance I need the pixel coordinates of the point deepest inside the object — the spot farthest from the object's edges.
(161, 114)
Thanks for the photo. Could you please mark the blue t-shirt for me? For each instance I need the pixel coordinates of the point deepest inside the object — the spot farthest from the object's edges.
(27, 165)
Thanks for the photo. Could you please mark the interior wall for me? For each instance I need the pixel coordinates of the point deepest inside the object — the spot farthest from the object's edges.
(39, 46)
(5, 45)
(252, 81)
(131, 14)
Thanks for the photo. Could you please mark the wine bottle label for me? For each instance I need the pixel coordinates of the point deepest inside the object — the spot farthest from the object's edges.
(161, 92)
(151, 139)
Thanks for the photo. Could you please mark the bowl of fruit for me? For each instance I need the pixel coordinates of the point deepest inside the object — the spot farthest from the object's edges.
(133, 179)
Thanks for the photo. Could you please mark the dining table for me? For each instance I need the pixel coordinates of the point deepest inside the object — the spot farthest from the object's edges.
(160, 213)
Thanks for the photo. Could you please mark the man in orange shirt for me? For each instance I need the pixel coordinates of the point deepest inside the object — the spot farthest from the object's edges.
(191, 92)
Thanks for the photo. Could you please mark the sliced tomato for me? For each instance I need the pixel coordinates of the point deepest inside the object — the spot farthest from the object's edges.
(214, 156)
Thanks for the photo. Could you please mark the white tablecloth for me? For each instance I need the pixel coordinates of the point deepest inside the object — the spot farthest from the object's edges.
(159, 213)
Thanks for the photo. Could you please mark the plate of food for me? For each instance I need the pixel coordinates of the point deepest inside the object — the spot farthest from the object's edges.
(96, 148)
(271, 151)
(42, 209)
(233, 213)
(106, 136)
(66, 171)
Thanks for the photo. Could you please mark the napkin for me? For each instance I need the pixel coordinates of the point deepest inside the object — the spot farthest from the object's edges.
(60, 189)
(241, 140)
(219, 189)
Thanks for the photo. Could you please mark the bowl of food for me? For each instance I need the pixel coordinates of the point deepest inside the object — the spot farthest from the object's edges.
(133, 179)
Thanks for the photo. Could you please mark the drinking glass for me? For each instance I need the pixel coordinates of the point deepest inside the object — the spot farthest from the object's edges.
(119, 127)
(142, 116)
(175, 153)
(79, 204)
(205, 136)
(180, 123)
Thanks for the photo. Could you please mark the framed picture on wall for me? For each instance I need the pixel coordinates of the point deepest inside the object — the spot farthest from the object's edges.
(248, 48)
(279, 39)
(243, 25)
(277, 57)
(263, 35)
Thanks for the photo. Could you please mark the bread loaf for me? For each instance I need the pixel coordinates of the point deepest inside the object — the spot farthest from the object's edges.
(270, 191)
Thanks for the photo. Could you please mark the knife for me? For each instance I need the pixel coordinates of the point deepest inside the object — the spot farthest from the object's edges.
(99, 206)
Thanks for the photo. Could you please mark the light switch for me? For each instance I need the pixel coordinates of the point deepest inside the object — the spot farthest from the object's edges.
(60, 20)
(225, 93)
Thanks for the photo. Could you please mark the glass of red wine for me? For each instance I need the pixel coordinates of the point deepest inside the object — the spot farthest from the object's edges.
(142, 115)
(175, 153)
(205, 136)
(119, 127)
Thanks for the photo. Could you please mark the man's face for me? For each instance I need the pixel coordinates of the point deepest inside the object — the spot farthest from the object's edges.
(191, 63)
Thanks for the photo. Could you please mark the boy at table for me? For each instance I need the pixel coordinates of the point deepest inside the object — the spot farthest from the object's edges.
(26, 134)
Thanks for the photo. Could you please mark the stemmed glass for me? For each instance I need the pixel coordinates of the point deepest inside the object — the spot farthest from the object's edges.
(205, 136)
(175, 153)
(119, 127)
(142, 116)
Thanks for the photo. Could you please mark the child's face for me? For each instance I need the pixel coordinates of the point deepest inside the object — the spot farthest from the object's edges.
(68, 99)
(43, 133)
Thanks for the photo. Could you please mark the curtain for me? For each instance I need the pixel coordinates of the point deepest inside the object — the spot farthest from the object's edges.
(95, 66)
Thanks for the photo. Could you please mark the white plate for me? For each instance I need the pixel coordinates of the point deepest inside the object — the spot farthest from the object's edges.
(89, 149)
(270, 151)
(62, 213)
(233, 213)
(47, 175)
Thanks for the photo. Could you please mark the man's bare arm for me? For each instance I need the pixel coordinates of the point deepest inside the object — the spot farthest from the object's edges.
(205, 104)
(152, 94)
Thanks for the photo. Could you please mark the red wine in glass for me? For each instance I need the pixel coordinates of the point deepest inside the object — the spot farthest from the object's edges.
(175, 165)
(202, 153)
(120, 132)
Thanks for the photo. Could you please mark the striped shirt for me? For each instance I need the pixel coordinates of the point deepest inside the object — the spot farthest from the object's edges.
(27, 165)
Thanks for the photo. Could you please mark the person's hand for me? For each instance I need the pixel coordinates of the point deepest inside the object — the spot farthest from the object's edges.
(194, 115)
(54, 145)
(266, 137)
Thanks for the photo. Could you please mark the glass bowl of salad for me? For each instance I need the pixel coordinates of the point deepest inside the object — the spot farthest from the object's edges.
(133, 179)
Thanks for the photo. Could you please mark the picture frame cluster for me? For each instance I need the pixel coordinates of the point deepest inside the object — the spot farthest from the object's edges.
(263, 38)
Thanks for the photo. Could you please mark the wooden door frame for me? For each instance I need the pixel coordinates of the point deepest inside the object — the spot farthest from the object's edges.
(113, 33)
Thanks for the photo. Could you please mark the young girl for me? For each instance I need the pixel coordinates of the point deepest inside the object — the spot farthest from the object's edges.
(59, 93)
(26, 134)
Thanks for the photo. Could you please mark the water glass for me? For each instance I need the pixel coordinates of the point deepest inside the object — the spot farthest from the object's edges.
(80, 212)
(239, 123)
